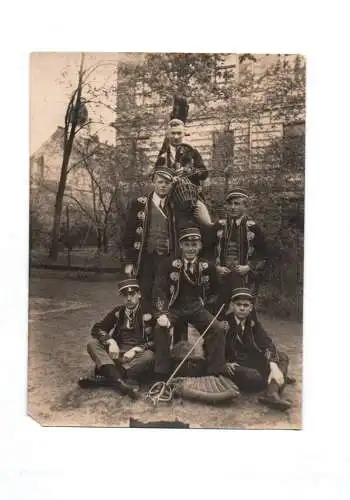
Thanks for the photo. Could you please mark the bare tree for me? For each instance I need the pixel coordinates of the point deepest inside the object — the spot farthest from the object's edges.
(75, 119)
(98, 161)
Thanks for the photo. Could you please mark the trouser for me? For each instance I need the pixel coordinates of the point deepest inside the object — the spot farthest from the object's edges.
(253, 371)
(214, 340)
(198, 216)
(202, 215)
(149, 266)
(141, 364)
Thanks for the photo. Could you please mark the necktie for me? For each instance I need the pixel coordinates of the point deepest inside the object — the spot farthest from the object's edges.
(240, 332)
(190, 269)
(163, 207)
(130, 319)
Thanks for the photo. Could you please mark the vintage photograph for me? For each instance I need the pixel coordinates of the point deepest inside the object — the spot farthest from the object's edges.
(166, 240)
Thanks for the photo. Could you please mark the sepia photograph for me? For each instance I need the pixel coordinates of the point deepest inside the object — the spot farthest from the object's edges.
(166, 240)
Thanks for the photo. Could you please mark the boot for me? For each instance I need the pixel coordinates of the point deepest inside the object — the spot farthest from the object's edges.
(272, 398)
(114, 375)
(290, 380)
(94, 381)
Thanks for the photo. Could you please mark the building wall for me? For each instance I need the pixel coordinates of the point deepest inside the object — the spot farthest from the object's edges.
(250, 141)
(45, 168)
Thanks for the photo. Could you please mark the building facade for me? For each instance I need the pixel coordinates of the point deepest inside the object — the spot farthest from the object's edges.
(254, 129)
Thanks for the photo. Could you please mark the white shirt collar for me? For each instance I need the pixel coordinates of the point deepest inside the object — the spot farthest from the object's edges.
(156, 199)
(131, 311)
(190, 261)
(240, 322)
(238, 221)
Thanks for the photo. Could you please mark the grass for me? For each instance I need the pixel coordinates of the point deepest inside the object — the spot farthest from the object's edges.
(61, 314)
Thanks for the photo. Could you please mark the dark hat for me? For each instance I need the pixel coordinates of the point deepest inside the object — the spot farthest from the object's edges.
(190, 233)
(164, 171)
(236, 193)
(241, 292)
(128, 285)
(180, 108)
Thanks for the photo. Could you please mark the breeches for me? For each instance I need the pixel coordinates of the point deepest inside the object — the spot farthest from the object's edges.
(214, 340)
(201, 214)
(142, 362)
(149, 265)
(253, 371)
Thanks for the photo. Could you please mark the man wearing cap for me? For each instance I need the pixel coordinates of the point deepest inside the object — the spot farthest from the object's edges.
(179, 156)
(241, 251)
(253, 361)
(122, 342)
(150, 234)
(184, 160)
(184, 289)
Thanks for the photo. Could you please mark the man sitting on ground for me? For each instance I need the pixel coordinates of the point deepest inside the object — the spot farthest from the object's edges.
(253, 361)
(122, 344)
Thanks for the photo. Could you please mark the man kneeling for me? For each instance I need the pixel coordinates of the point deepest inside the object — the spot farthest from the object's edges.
(126, 353)
(253, 361)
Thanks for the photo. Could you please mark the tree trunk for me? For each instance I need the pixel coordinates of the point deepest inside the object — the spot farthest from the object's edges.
(57, 214)
(99, 239)
(72, 114)
(105, 240)
(68, 242)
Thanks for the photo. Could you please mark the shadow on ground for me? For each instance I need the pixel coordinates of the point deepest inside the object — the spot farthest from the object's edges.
(61, 314)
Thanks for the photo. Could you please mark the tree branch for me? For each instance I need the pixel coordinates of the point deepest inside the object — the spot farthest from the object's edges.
(82, 208)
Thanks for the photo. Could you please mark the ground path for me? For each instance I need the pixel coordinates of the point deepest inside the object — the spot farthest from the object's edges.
(61, 314)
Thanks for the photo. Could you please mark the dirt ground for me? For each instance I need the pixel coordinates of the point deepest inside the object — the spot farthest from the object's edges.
(62, 310)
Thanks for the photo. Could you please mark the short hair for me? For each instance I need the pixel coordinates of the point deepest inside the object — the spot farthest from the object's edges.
(175, 122)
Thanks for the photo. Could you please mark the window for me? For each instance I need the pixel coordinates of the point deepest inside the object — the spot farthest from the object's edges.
(296, 129)
(223, 143)
(293, 155)
(224, 73)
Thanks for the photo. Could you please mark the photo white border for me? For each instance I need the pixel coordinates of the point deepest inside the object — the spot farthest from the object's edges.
(46, 463)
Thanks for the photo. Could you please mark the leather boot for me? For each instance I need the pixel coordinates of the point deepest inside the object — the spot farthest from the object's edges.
(272, 398)
(114, 375)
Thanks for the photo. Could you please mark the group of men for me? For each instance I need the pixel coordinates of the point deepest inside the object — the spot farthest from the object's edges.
(181, 268)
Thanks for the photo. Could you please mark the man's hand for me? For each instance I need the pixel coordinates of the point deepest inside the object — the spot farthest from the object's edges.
(131, 353)
(163, 320)
(129, 269)
(102, 336)
(242, 270)
(275, 374)
(230, 368)
(222, 270)
(113, 349)
(187, 170)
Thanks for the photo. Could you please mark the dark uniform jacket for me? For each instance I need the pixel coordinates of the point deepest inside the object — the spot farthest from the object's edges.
(253, 341)
(137, 227)
(186, 156)
(251, 246)
(169, 281)
(111, 324)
